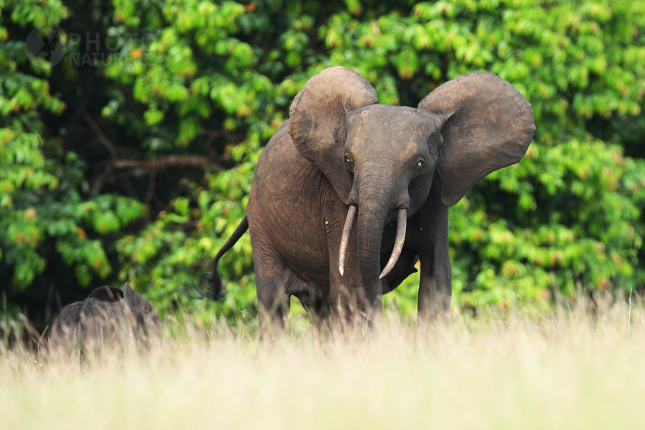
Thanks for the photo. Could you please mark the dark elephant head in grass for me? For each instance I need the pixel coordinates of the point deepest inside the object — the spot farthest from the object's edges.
(105, 315)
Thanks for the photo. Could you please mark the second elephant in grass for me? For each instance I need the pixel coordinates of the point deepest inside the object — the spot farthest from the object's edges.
(108, 317)
(349, 194)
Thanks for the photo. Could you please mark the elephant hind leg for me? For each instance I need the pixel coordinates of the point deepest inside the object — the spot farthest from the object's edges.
(273, 282)
(273, 301)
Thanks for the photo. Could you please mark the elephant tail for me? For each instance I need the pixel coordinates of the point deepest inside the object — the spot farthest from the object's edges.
(215, 290)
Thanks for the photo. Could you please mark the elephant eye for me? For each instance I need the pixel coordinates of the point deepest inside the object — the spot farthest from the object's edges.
(348, 163)
(420, 163)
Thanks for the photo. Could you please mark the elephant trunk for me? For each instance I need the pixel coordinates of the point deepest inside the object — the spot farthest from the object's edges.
(377, 195)
(371, 219)
(374, 195)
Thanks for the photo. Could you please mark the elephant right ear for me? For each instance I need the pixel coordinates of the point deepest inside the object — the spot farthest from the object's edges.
(487, 125)
(317, 120)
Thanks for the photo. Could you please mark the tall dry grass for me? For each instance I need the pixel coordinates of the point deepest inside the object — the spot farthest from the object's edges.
(568, 369)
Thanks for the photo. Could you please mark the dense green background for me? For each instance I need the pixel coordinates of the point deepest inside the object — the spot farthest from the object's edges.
(132, 159)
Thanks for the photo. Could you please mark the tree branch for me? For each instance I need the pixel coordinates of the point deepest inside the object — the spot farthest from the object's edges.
(231, 137)
(169, 161)
(102, 137)
(98, 183)
(153, 166)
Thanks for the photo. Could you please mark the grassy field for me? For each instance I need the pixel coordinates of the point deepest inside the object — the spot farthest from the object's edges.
(569, 369)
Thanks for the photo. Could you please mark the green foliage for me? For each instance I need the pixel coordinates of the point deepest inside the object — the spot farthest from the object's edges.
(214, 79)
(44, 201)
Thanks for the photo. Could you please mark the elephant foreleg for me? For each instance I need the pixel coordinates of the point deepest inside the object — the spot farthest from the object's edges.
(435, 291)
(435, 287)
(347, 299)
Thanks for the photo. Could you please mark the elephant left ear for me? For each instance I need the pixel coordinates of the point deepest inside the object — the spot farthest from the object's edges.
(487, 125)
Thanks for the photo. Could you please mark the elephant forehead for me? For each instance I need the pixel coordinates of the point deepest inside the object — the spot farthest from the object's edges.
(384, 127)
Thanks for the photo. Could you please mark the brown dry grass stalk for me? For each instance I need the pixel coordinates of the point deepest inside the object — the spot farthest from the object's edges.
(566, 369)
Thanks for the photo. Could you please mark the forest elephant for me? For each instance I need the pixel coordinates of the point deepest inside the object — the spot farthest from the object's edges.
(349, 194)
(106, 317)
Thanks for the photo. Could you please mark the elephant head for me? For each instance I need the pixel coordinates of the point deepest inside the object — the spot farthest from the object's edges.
(144, 313)
(383, 160)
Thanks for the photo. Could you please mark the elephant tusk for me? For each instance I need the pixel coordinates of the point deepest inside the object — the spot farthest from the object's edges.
(401, 224)
(349, 221)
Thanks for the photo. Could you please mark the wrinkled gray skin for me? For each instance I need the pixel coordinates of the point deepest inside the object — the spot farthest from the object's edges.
(105, 317)
(341, 150)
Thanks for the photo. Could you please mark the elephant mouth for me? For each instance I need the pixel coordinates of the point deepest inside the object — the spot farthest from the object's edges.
(401, 224)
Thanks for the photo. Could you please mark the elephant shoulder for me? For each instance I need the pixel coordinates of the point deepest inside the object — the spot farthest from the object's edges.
(282, 174)
(281, 156)
(281, 141)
